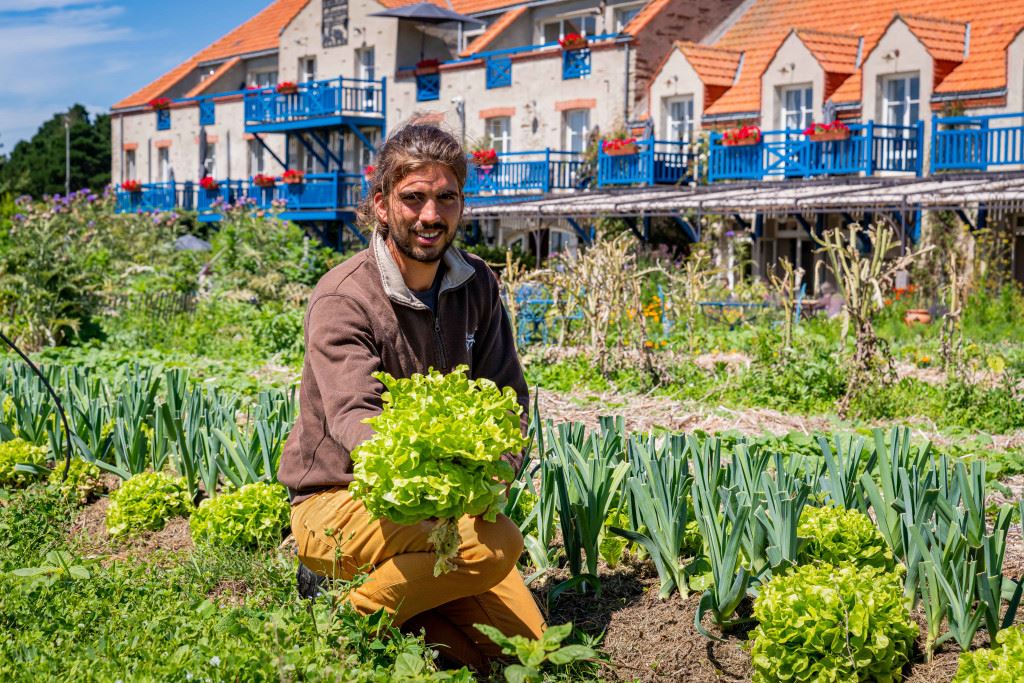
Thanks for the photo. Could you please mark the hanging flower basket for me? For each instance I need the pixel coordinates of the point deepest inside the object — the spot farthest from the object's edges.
(741, 137)
(427, 66)
(131, 186)
(827, 132)
(260, 180)
(293, 177)
(160, 103)
(619, 147)
(208, 183)
(573, 41)
(485, 157)
(287, 88)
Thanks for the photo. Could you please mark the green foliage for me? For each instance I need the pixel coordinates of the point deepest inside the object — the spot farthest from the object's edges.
(834, 535)
(1000, 664)
(252, 516)
(20, 462)
(146, 502)
(82, 484)
(32, 523)
(820, 622)
(533, 655)
(37, 166)
(437, 450)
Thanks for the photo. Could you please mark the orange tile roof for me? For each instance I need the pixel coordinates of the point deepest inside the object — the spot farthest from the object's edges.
(493, 31)
(212, 78)
(261, 32)
(765, 24)
(644, 16)
(715, 66)
(944, 39)
(836, 52)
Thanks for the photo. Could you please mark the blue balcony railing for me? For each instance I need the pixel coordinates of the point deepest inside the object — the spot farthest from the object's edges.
(575, 64)
(316, 99)
(527, 172)
(870, 148)
(152, 197)
(428, 87)
(334, 190)
(499, 72)
(976, 143)
(207, 112)
(655, 162)
(228, 192)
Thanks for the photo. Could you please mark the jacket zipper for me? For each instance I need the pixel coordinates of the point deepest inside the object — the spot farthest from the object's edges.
(437, 336)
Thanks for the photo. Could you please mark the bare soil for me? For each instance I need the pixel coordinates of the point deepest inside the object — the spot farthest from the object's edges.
(89, 534)
(654, 641)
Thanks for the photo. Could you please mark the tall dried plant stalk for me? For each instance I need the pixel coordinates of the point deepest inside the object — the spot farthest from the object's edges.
(951, 337)
(861, 279)
(786, 288)
(687, 287)
(514, 275)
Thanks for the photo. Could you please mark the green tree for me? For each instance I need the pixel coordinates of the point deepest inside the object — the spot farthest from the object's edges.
(36, 166)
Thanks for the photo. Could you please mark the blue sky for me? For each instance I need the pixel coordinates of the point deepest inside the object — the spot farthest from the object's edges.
(57, 52)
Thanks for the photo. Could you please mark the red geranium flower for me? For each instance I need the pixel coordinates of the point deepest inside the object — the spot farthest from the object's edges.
(208, 183)
(131, 186)
(160, 102)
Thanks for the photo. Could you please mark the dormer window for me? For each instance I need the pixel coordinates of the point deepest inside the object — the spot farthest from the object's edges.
(555, 30)
(624, 15)
(797, 107)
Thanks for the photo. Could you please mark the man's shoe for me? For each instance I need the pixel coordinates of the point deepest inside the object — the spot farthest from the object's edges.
(309, 583)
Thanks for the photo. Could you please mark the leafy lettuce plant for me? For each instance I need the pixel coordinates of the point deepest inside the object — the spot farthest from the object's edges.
(437, 453)
(820, 622)
(252, 516)
(1001, 664)
(83, 481)
(534, 654)
(835, 535)
(20, 462)
(146, 502)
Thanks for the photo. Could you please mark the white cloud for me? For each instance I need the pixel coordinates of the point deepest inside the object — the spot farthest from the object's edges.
(61, 31)
(34, 5)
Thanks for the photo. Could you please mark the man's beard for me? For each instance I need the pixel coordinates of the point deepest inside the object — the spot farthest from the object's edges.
(406, 244)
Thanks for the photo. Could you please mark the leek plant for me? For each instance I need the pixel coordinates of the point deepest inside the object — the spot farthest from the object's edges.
(723, 532)
(844, 465)
(658, 487)
(785, 498)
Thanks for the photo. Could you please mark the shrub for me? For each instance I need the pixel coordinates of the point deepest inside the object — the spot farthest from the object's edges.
(836, 535)
(252, 516)
(146, 502)
(820, 622)
(19, 452)
(83, 481)
(1000, 664)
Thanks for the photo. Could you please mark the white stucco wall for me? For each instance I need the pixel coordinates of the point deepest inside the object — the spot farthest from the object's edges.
(675, 79)
(1015, 74)
(898, 52)
(793, 65)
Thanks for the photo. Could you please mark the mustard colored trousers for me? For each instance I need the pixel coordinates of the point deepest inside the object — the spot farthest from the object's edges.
(484, 588)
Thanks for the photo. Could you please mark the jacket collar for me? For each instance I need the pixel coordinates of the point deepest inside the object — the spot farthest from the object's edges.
(458, 271)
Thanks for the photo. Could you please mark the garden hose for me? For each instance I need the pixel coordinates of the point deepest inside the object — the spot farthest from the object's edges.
(56, 399)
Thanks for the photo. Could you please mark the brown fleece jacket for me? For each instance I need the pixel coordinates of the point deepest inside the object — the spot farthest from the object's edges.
(363, 318)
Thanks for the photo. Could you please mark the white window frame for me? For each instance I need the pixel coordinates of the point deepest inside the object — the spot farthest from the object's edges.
(499, 131)
(307, 69)
(561, 21)
(908, 103)
(129, 164)
(619, 10)
(672, 125)
(805, 109)
(266, 78)
(163, 163)
(257, 158)
(570, 135)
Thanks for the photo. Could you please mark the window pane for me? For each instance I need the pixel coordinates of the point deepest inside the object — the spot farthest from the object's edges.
(624, 16)
(552, 32)
(589, 25)
(915, 88)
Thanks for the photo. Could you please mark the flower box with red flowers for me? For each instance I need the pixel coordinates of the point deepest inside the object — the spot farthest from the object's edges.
(160, 103)
(827, 132)
(485, 157)
(573, 41)
(287, 88)
(208, 183)
(620, 147)
(428, 66)
(131, 186)
(293, 177)
(260, 180)
(739, 137)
